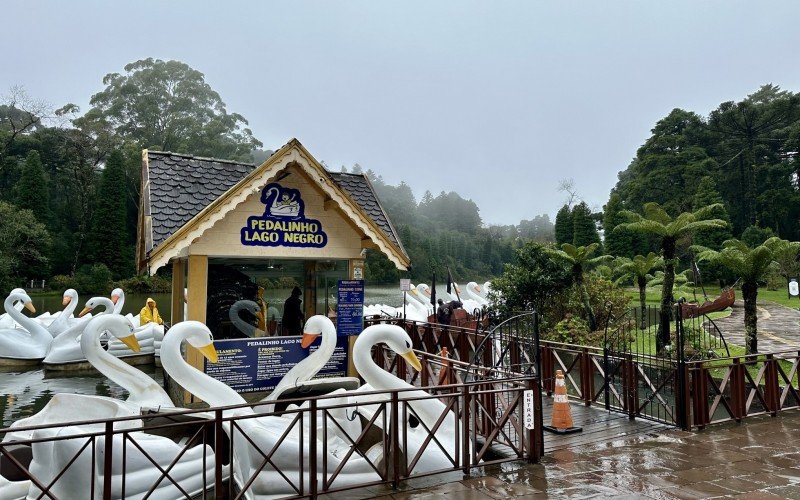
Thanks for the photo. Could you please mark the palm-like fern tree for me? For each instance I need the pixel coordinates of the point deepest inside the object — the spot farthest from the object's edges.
(657, 222)
(580, 260)
(751, 266)
(639, 269)
(786, 254)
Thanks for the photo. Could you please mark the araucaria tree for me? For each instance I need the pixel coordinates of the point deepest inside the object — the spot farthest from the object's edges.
(639, 269)
(657, 222)
(580, 260)
(751, 266)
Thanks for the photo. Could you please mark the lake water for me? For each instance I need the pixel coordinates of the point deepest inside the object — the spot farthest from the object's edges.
(23, 393)
(383, 294)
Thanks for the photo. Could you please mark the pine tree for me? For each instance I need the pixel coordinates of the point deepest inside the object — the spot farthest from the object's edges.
(707, 195)
(31, 189)
(583, 226)
(617, 243)
(108, 237)
(564, 229)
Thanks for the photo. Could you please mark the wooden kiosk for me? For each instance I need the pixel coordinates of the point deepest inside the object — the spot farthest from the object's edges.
(287, 222)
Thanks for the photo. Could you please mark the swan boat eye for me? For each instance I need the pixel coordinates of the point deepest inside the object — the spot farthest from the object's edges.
(408, 344)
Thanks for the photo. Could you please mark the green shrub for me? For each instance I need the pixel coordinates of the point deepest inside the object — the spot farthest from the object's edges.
(94, 279)
(144, 284)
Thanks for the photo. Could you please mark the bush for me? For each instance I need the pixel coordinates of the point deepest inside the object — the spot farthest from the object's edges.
(94, 279)
(604, 296)
(144, 284)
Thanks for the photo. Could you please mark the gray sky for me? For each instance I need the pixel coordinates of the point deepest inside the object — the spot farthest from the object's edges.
(496, 100)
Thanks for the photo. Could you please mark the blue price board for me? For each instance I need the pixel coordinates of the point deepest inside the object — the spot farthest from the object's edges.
(350, 307)
(258, 364)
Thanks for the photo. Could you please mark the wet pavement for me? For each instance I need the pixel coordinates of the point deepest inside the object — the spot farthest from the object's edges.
(778, 327)
(759, 459)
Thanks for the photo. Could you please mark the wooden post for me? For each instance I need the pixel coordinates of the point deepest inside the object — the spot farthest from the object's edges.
(587, 377)
(700, 396)
(178, 284)
(738, 400)
(771, 389)
(196, 301)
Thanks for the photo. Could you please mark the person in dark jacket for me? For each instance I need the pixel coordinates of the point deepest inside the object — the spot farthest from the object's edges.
(442, 313)
(293, 313)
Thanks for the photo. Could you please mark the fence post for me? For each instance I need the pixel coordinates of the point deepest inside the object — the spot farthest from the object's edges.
(771, 388)
(587, 377)
(219, 436)
(534, 435)
(682, 393)
(465, 431)
(548, 379)
(312, 450)
(738, 404)
(108, 450)
(394, 439)
(700, 396)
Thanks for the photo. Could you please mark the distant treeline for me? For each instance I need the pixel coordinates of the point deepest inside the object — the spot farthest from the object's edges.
(444, 231)
(69, 183)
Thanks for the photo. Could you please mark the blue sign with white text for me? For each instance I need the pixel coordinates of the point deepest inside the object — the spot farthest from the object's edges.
(283, 222)
(350, 307)
(258, 364)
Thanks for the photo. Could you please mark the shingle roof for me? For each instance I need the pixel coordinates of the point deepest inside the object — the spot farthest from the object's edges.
(180, 186)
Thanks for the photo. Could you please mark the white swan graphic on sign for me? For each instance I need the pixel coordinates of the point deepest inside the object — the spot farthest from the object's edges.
(282, 202)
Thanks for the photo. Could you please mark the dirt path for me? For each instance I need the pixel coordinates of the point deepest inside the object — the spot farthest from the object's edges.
(778, 327)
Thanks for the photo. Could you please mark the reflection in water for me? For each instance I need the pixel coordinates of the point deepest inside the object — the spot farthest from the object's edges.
(26, 392)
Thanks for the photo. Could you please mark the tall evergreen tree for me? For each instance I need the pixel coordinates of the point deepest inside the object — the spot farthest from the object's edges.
(584, 230)
(564, 228)
(32, 192)
(707, 195)
(617, 243)
(108, 237)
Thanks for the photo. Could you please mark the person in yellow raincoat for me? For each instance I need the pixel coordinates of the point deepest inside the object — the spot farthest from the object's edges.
(149, 313)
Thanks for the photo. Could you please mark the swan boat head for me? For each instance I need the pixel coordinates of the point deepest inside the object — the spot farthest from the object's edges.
(119, 326)
(117, 294)
(97, 301)
(314, 327)
(393, 336)
(70, 295)
(20, 295)
(201, 339)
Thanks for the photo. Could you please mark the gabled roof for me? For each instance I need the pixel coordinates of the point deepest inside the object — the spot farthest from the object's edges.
(178, 187)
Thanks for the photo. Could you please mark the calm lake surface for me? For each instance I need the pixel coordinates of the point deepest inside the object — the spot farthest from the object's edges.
(23, 393)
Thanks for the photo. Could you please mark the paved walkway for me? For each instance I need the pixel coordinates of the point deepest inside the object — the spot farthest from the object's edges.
(778, 327)
(756, 460)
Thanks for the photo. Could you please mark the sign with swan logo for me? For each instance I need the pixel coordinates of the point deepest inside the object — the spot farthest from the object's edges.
(283, 223)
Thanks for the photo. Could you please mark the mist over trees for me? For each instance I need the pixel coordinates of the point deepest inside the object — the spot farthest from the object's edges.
(72, 181)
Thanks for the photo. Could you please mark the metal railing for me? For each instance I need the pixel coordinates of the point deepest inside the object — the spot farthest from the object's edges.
(224, 453)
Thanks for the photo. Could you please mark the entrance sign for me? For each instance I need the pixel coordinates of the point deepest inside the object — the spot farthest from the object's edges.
(283, 223)
(350, 307)
(528, 413)
(405, 284)
(253, 365)
(794, 289)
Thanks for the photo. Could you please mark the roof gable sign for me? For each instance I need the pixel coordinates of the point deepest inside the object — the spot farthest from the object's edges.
(377, 230)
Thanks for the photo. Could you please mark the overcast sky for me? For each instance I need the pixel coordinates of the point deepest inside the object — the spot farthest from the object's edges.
(495, 100)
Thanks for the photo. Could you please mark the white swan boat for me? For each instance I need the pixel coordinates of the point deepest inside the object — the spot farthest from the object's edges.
(300, 381)
(49, 457)
(67, 352)
(20, 347)
(6, 321)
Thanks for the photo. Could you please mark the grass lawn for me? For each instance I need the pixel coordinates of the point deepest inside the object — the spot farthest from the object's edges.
(654, 296)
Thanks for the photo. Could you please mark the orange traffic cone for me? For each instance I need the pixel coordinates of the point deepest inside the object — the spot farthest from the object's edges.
(561, 421)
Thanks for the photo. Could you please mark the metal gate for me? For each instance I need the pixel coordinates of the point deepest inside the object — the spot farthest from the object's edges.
(645, 357)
